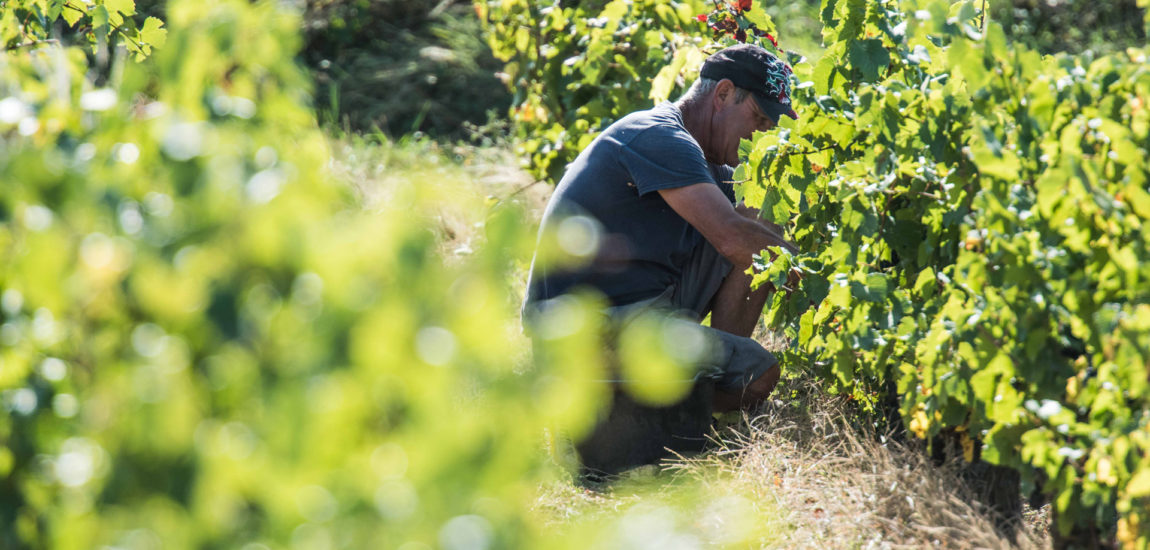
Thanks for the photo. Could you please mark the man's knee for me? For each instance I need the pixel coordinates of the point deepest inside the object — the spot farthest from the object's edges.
(750, 395)
(761, 387)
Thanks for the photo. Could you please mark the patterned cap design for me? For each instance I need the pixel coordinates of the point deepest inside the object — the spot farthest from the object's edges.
(752, 68)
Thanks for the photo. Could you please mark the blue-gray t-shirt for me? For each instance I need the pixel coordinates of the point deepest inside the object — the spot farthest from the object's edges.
(643, 244)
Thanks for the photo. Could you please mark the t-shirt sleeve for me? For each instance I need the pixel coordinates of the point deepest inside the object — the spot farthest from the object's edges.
(658, 159)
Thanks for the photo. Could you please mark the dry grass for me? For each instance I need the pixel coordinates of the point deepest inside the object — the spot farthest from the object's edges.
(845, 486)
(815, 482)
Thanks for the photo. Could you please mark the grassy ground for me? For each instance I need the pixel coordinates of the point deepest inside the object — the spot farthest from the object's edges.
(792, 474)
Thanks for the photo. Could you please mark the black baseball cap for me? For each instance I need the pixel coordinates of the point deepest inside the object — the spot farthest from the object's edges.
(756, 70)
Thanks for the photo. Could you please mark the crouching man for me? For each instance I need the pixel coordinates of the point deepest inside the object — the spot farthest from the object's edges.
(657, 185)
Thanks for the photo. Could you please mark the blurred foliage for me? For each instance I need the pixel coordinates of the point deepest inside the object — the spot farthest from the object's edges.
(401, 66)
(798, 25)
(698, 507)
(207, 341)
(1072, 26)
(99, 24)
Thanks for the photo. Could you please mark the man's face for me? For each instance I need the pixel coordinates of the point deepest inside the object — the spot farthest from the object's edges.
(735, 122)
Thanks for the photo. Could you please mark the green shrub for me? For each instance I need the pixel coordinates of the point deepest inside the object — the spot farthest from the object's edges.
(976, 219)
(975, 216)
(401, 67)
(575, 67)
(1072, 26)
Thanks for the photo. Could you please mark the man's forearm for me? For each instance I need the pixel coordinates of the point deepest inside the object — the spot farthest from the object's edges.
(755, 215)
(751, 238)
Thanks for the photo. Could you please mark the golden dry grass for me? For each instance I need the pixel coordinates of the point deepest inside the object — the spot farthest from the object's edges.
(845, 486)
(815, 481)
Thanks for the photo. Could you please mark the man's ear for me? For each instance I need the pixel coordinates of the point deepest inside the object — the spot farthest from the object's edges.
(724, 91)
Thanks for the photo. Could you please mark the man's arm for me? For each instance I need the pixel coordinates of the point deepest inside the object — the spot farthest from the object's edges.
(735, 236)
(753, 214)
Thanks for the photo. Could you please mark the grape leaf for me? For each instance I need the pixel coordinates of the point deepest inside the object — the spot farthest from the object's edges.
(762, 20)
(54, 9)
(827, 14)
(926, 282)
(126, 7)
(153, 32)
(855, 20)
(73, 13)
(118, 9)
(870, 57)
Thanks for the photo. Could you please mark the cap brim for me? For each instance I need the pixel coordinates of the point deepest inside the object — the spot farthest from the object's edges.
(774, 109)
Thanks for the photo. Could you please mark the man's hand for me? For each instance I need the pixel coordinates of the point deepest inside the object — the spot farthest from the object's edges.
(793, 278)
(736, 235)
(753, 214)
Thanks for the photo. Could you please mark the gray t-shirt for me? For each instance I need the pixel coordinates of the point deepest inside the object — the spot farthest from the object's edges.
(643, 244)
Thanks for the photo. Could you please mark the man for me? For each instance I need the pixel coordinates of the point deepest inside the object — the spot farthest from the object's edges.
(655, 190)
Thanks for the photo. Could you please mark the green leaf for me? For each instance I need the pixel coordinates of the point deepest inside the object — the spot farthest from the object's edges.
(824, 74)
(73, 15)
(778, 204)
(1005, 402)
(991, 381)
(839, 252)
(859, 217)
(969, 61)
(126, 7)
(1051, 188)
(1004, 166)
(1139, 484)
(839, 295)
(925, 284)
(870, 57)
(963, 12)
(816, 287)
(876, 286)
(827, 13)
(855, 20)
(761, 20)
(844, 367)
(153, 32)
(118, 9)
(663, 82)
(1139, 201)
(806, 326)
(824, 312)
(100, 18)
